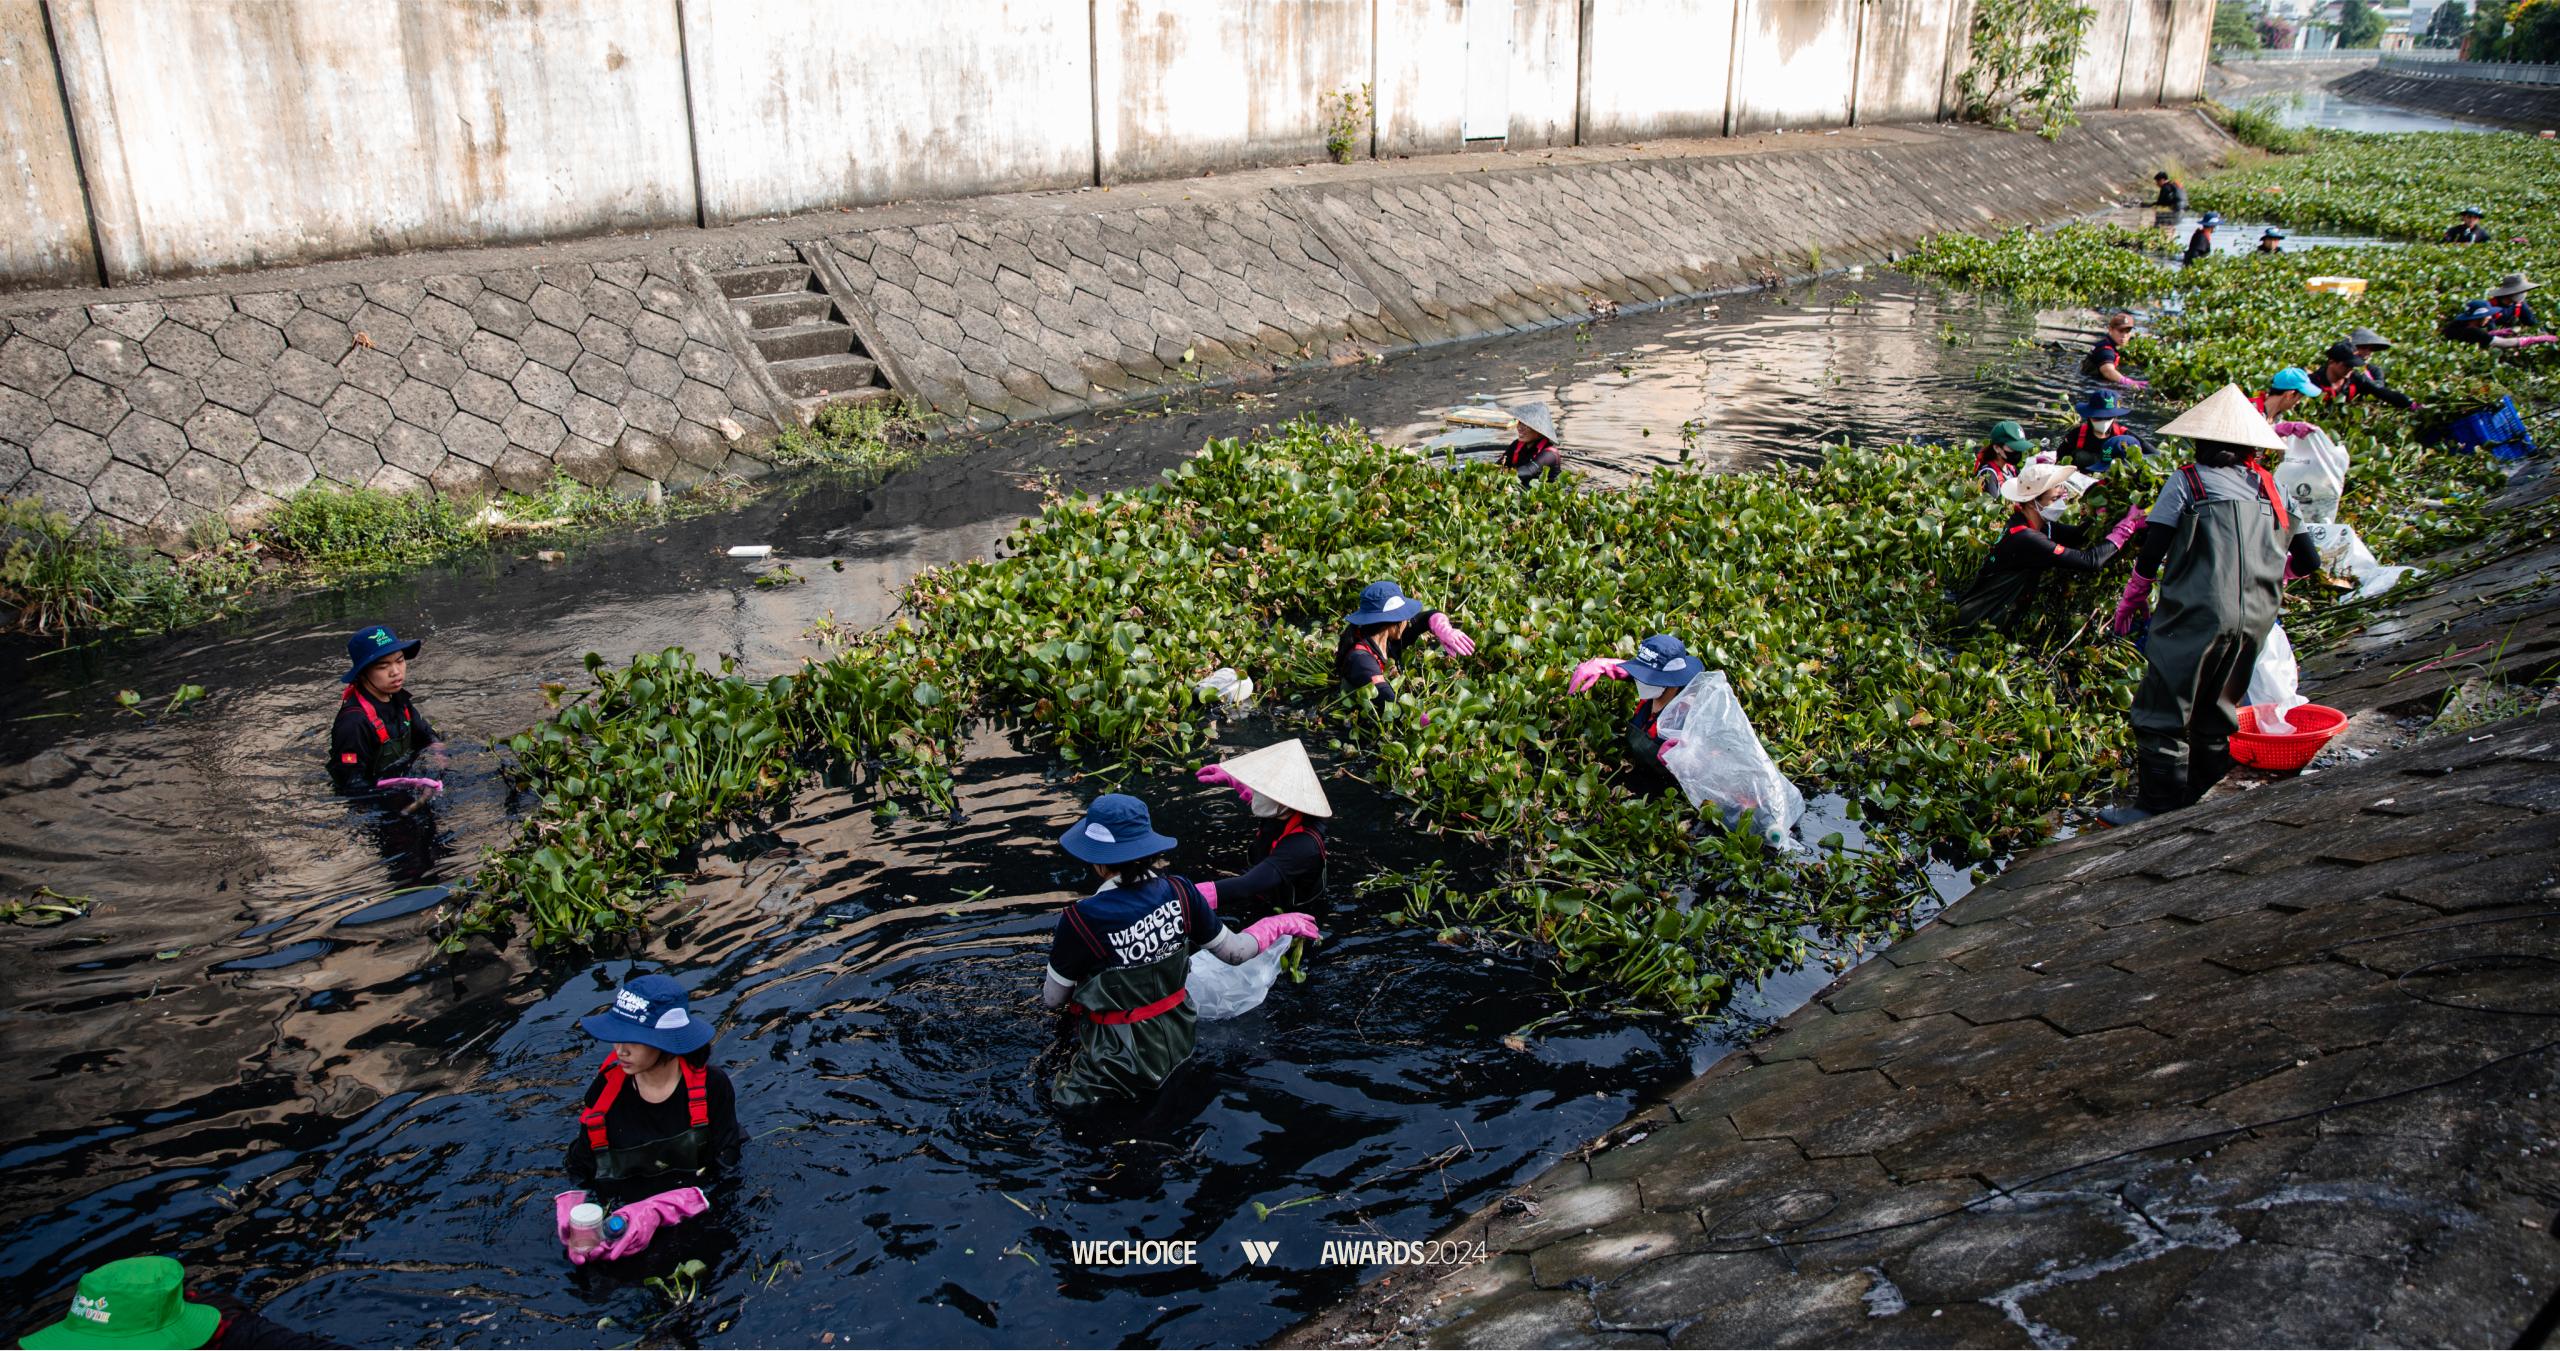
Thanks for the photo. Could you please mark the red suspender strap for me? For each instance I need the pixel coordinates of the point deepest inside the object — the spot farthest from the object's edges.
(1298, 826)
(369, 715)
(2267, 485)
(593, 1117)
(697, 1086)
(1374, 654)
(1123, 1017)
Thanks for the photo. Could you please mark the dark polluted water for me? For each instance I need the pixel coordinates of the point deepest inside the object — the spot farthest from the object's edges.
(250, 1055)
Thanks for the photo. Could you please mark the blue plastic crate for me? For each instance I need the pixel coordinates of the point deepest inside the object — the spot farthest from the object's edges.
(2500, 429)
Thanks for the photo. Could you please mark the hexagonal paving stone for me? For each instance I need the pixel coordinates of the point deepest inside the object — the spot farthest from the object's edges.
(658, 333)
(305, 377)
(391, 478)
(594, 375)
(494, 355)
(359, 413)
(444, 321)
(134, 319)
(655, 372)
(485, 396)
(87, 404)
(319, 334)
(165, 394)
(412, 448)
(70, 453)
(104, 354)
(223, 434)
(291, 423)
(650, 412)
(336, 302)
(201, 480)
(278, 472)
(254, 341)
(400, 297)
(236, 385)
(372, 372)
(544, 387)
(53, 328)
(382, 330)
(585, 461)
(422, 405)
(506, 316)
(593, 419)
(31, 367)
(148, 442)
(182, 349)
(69, 499)
(534, 429)
(608, 340)
(23, 417)
(522, 471)
(341, 458)
(475, 438)
(459, 480)
(557, 307)
(553, 347)
(433, 364)
(705, 363)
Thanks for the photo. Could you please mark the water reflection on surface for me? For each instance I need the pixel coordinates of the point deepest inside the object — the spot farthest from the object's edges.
(2322, 107)
(253, 1056)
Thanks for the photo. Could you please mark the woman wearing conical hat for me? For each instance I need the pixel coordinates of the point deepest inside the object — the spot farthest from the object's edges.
(2217, 551)
(1279, 783)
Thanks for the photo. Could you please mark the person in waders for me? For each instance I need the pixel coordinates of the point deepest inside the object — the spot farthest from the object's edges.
(1122, 956)
(2035, 544)
(379, 731)
(2466, 229)
(2171, 201)
(1534, 450)
(2093, 444)
(2476, 324)
(2342, 377)
(2104, 361)
(1661, 668)
(2271, 240)
(1285, 869)
(1374, 635)
(658, 1113)
(2200, 244)
(2285, 392)
(1998, 460)
(2212, 571)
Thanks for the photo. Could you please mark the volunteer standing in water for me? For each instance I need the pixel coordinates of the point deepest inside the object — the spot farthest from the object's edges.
(1122, 956)
(1661, 668)
(1534, 450)
(1286, 867)
(658, 1111)
(2219, 549)
(2035, 544)
(1379, 631)
(379, 730)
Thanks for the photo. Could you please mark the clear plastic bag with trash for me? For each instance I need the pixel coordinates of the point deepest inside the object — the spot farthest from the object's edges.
(1228, 688)
(2312, 477)
(1221, 991)
(2274, 683)
(2343, 554)
(1720, 760)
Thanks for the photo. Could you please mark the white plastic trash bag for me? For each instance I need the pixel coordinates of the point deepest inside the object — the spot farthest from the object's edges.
(1720, 760)
(2312, 476)
(1228, 688)
(1222, 991)
(2273, 684)
(2342, 554)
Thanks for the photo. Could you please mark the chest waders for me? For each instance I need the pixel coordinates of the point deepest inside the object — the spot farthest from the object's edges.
(2000, 595)
(389, 748)
(1135, 1023)
(2216, 597)
(1304, 891)
(686, 1151)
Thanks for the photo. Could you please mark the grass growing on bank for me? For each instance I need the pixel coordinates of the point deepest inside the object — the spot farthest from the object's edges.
(877, 436)
(1815, 589)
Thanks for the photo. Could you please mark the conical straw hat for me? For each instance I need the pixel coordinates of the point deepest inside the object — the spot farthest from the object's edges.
(2227, 417)
(1283, 774)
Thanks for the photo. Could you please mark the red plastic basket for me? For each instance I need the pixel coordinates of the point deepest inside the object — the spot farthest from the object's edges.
(2312, 728)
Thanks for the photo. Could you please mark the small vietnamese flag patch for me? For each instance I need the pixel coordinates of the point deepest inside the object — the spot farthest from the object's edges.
(348, 758)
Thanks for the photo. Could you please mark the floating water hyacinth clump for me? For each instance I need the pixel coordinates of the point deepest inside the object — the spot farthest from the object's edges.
(1818, 590)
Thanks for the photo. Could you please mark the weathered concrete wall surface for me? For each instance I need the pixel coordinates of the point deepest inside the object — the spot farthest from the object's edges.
(44, 223)
(800, 106)
(621, 361)
(223, 134)
(191, 136)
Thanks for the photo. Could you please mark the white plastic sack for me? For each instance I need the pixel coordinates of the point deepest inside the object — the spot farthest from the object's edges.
(1222, 991)
(1720, 760)
(2272, 685)
(1225, 686)
(2312, 476)
(2342, 554)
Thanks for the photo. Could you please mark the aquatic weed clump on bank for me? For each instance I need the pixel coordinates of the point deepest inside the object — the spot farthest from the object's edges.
(1816, 589)
(2078, 264)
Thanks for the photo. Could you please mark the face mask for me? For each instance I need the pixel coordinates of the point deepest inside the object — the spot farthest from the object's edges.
(2054, 511)
(1265, 804)
(1646, 691)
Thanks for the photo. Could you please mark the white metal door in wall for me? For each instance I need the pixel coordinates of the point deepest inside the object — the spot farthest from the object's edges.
(1488, 70)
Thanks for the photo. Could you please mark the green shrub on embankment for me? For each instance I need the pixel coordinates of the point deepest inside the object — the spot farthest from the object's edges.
(1816, 590)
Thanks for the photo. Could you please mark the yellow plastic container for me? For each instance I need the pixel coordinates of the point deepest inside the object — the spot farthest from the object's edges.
(2337, 286)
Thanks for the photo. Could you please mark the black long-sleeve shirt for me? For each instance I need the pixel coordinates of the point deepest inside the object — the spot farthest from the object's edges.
(2466, 234)
(634, 1120)
(2199, 245)
(2173, 195)
(2359, 383)
(1363, 667)
(1285, 862)
(359, 754)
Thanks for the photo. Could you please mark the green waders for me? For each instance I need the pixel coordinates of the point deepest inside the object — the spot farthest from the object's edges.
(2216, 598)
(1136, 1029)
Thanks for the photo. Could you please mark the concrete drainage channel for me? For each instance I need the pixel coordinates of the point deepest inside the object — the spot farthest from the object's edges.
(156, 408)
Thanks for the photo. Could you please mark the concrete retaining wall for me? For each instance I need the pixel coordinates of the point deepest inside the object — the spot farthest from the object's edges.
(152, 139)
(621, 361)
(2525, 107)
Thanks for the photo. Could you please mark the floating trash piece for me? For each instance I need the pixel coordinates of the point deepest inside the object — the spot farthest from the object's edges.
(2336, 286)
(548, 555)
(750, 551)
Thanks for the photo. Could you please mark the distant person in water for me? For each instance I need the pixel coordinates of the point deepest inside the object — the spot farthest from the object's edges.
(380, 736)
(140, 1302)
(2467, 230)
(658, 1114)
(2271, 240)
(2200, 244)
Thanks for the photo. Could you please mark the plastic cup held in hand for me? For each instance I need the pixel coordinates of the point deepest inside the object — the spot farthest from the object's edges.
(586, 1226)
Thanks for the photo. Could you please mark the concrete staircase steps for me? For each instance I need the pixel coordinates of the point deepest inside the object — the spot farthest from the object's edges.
(797, 328)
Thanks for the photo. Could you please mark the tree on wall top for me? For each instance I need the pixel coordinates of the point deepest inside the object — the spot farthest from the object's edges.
(2024, 52)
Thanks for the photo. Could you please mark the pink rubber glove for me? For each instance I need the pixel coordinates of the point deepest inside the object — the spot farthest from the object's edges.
(2293, 429)
(1209, 893)
(1588, 674)
(1266, 932)
(2134, 608)
(1219, 778)
(422, 787)
(1668, 743)
(1458, 643)
(2538, 339)
(2134, 519)
(2131, 383)
(646, 1218)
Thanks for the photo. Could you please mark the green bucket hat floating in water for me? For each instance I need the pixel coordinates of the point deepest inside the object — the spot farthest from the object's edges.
(135, 1302)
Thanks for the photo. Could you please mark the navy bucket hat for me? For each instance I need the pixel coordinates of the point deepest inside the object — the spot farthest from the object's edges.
(1663, 662)
(1116, 829)
(2209, 219)
(650, 1010)
(2103, 406)
(1383, 603)
(371, 645)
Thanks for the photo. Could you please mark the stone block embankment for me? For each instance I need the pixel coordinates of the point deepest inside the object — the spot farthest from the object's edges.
(2525, 107)
(620, 362)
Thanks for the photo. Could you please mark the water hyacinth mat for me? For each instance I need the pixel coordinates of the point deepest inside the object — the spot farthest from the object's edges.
(1818, 590)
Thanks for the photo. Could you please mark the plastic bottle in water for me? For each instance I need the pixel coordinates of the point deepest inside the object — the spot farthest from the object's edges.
(586, 1226)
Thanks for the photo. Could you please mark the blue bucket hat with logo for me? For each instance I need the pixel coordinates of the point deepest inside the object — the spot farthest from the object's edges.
(2293, 378)
(650, 1010)
(2209, 219)
(2104, 405)
(1115, 829)
(1383, 603)
(1663, 662)
(371, 645)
